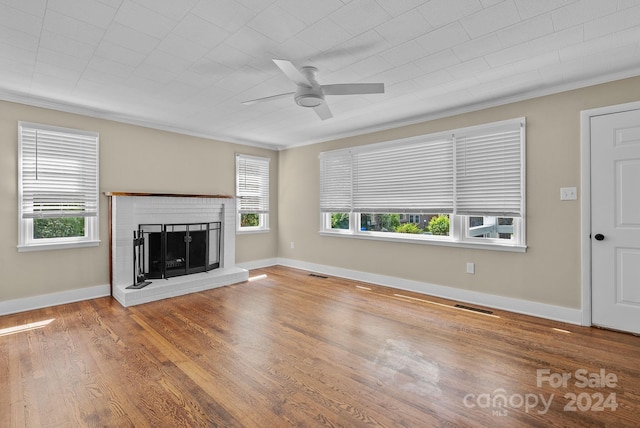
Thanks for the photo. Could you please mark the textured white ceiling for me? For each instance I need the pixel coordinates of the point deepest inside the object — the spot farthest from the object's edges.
(187, 65)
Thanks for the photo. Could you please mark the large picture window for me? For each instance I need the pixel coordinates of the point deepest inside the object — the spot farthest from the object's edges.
(58, 187)
(462, 187)
(252, 190)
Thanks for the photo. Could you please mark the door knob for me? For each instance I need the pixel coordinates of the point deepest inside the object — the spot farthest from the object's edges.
(599, 237)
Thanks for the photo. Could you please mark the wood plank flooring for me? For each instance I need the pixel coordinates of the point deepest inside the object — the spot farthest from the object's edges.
(290, 349)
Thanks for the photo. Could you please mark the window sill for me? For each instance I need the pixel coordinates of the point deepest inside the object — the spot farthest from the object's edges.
(437, 242)
(252, 231)
(57, 246)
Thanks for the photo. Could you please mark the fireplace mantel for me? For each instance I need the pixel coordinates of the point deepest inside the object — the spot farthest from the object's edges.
(127, 210)
(167, 195)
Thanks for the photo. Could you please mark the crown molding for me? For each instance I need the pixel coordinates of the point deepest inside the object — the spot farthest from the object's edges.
(496, 102)
(21, 98)
(30, 100)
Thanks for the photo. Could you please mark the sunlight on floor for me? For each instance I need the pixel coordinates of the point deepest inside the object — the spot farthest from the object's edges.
(446, 306)
(561, 330)
(257, 277)
(25, 327)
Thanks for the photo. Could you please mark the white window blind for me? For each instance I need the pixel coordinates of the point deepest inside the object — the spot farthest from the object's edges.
(335, 182)
(476, 171)
(490, 171)
(252, 184)
(58, 172)
(410, 178)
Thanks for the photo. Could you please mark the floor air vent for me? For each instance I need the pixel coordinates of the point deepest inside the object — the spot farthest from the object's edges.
(318, 275)
(471, 308)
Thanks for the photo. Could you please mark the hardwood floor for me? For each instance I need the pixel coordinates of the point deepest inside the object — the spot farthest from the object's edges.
(290, 349)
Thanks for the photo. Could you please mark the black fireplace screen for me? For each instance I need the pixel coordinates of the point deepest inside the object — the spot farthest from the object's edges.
(179, 249)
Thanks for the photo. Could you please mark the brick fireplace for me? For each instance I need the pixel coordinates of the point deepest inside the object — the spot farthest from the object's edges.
(182, 218)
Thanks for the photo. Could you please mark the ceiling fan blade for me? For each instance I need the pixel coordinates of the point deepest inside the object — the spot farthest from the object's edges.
(323, 112)
(353, 88)
(292, 72)
(269, 98)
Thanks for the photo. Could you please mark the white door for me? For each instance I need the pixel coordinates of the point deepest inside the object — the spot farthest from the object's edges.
(615, 220)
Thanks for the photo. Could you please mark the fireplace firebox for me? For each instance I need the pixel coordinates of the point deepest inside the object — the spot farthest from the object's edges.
(179, 249)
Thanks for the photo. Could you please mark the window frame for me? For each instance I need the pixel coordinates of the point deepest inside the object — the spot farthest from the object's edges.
(263, 216)
(26, 240)
(456, 237)
(263, 224)
(459, 224)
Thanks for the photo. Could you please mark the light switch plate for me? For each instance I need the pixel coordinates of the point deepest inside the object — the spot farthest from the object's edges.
(568, 193)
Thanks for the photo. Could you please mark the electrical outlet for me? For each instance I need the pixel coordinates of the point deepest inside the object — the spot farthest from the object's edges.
(568, 193)
(471, 268)
(292, 245)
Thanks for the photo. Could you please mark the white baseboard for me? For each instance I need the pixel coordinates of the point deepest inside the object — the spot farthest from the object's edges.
(258, 264)
(53, 299)
(526, 307)
(542, 310)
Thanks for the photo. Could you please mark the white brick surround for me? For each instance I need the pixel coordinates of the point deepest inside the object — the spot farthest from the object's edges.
(127, 212)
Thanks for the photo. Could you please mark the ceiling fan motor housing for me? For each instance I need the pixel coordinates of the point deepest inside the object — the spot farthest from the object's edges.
(309, 96)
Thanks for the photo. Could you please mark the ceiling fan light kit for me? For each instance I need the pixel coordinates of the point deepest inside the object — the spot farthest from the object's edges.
(308, 99)
(311, 94)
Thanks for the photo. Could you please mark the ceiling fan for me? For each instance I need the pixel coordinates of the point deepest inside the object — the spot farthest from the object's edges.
(311, 94)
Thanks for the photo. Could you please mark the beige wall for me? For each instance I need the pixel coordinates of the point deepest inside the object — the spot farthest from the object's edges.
(181, 164)
(549, 272)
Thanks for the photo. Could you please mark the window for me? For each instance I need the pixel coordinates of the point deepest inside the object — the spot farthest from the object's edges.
(339, 221)
(252, 190)
(58, 187)
(462, 187)
(491, 227)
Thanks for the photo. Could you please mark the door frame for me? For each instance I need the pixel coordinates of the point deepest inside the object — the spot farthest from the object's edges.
(585, 207)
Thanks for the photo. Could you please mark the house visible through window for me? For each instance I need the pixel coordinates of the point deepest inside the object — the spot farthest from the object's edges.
(58, 187)
(252, 190)
(461, 187)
